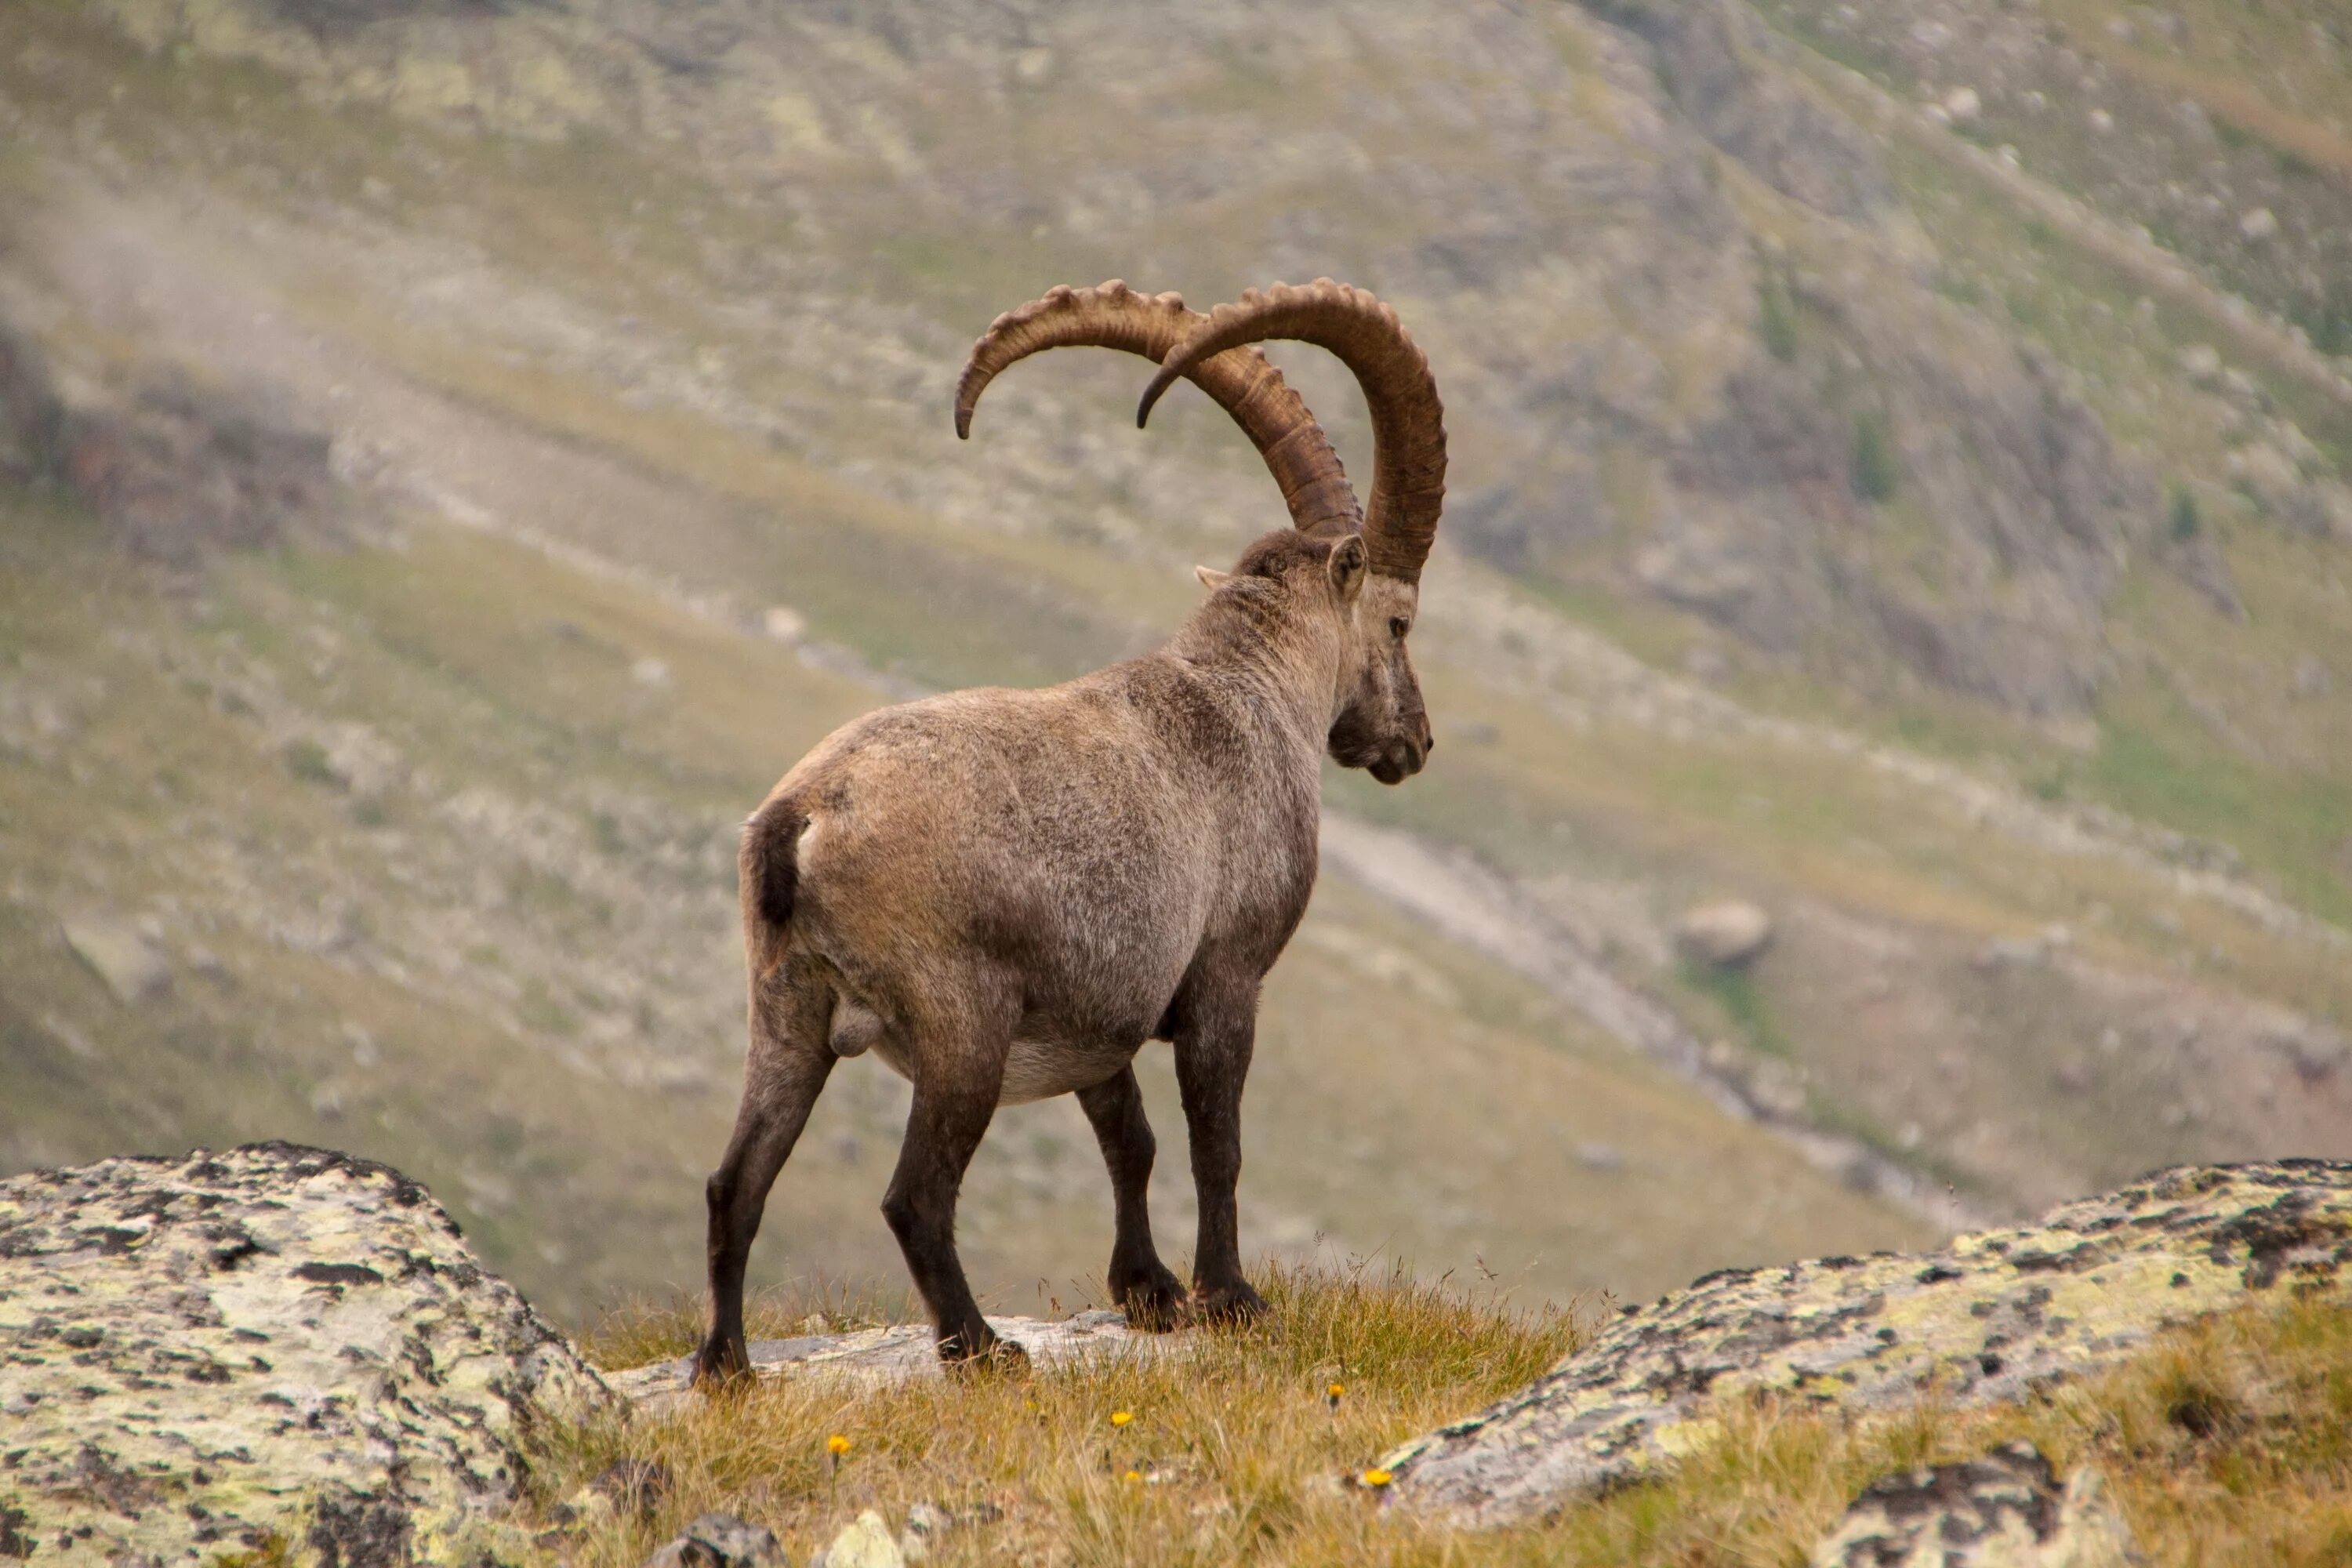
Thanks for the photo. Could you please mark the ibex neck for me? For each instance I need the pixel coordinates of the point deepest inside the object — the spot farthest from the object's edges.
(1286, 668)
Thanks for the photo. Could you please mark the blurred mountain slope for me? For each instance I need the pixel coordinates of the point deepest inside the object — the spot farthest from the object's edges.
(1817, 535)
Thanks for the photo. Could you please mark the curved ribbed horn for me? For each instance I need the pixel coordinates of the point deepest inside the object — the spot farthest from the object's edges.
(1113, 316)
(1408, 421)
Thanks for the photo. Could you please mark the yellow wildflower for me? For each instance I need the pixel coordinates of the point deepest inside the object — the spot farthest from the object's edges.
(1376, 1478)
(836, 1444)
(1135, 1475)
(1121, 1417)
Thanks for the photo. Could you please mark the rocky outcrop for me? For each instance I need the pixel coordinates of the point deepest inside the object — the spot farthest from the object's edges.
(29, 414)
(2003, 1510)
(1995, 1316)
(1961, 509)
(275, 1349)
(180, 470)
(1707, 56)
(720, 1541)
(896, 1354)
(2142, 137)
(177, 469)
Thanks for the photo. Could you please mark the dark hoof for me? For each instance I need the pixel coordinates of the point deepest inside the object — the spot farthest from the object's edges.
(1153, 1299)
(722, 1363)
(979, 1350)
(1235, 1303)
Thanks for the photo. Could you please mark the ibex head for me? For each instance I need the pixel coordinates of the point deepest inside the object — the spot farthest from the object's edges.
(1382, 725)
(1299, 579)
(1371, 557)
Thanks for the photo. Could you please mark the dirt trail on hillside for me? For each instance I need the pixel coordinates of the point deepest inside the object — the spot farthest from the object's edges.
(1470, 904)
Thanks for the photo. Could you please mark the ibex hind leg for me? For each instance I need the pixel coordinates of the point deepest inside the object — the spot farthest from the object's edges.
(959, 1071)
(1152, 1296)
(785, 1069)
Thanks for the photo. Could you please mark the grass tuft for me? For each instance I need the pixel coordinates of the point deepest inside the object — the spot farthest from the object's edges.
(1776, 318)
(1875, 472)
(2183, 522)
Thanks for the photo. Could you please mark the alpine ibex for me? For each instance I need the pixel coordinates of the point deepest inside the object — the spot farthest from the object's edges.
(1006, 893)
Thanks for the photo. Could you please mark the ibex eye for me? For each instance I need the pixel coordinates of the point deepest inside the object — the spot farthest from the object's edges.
(1399, 626)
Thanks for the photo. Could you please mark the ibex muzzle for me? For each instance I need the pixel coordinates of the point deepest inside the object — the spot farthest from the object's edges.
(1003, 894)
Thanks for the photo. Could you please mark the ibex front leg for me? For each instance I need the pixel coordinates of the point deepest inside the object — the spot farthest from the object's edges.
(1213, 1040)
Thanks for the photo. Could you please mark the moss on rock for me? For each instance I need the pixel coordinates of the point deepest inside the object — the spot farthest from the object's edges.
(277, 1349)
(1995, 1316)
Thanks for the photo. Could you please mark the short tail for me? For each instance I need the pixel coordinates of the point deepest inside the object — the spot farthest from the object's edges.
(769, 868)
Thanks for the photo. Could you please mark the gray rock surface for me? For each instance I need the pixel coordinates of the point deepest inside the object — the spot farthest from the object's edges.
(2003, 1510)
(720, 1541)
(1708, 53)
(274, 1348)
(121, 955)
(863, 1542)
(1726, 933)
(929, 1526)
(29, 414)
(1994, 1316)
(896, 1354)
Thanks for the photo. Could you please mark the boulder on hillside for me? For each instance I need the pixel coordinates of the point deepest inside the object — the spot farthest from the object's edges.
(865, 1543)
(1726, 933)
(1994, 1316)
(272, 1350)
(720, 1541)
(119, 954)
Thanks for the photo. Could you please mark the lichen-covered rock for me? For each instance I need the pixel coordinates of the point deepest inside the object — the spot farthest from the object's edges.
(894, 1355)
(275, 1344)
(720, 1541)
(2003, 1510)
(1993, 1315)
(863, 1542)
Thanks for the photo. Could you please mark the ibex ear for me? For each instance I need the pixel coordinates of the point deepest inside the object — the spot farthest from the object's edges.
(1211, 578)
(1347, 567)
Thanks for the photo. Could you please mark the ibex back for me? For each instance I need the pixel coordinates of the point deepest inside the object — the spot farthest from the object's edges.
(1004, 894)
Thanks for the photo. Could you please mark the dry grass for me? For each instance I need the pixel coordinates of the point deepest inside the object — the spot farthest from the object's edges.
(2227, 1443)
(1233, 1449)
